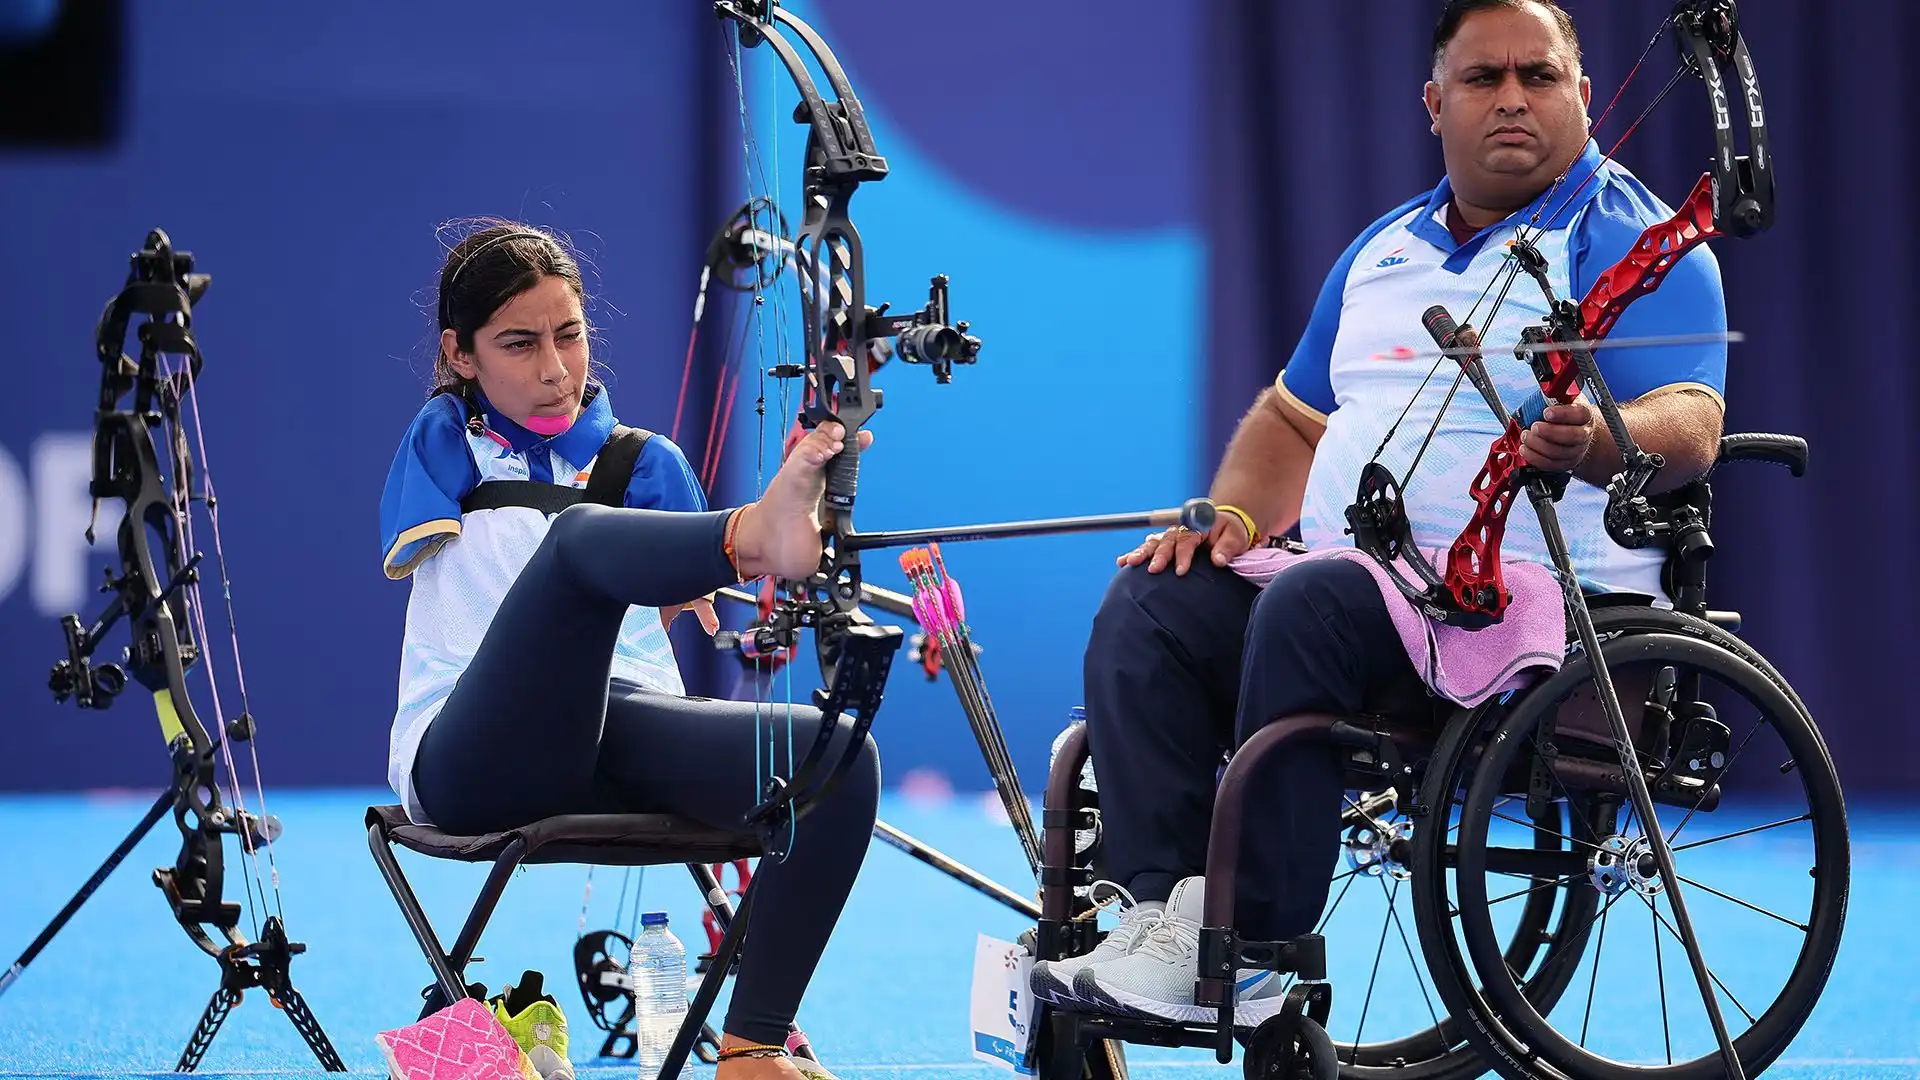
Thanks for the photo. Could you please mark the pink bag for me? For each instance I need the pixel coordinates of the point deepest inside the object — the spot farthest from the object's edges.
(461, 1042)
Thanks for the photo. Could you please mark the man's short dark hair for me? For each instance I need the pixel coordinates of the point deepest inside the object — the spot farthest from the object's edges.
(1456, 11)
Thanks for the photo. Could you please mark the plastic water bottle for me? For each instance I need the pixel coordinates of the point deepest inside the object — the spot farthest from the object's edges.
(1076, 716)
(658, 968)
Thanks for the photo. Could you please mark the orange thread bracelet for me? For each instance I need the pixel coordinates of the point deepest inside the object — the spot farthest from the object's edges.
(726, 545)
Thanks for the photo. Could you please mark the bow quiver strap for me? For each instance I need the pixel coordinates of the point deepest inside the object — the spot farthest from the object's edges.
(606, 485)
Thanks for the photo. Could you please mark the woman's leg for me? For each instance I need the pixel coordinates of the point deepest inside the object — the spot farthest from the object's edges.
(519, 736)
(707, 760)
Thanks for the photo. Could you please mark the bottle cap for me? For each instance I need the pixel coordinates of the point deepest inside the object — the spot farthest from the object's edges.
(654, 918)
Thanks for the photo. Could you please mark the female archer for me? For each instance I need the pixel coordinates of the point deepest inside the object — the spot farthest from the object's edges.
(536, 676)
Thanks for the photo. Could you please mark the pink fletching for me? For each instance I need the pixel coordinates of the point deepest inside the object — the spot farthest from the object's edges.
(953, 599)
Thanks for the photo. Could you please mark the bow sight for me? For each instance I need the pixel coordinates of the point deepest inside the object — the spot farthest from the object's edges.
(157, 592)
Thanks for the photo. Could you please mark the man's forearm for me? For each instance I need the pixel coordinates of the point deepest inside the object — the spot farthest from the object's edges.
(1264, 471)
(1682, 427)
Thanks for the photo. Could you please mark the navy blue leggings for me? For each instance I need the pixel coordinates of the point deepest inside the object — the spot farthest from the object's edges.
(536, 727)
(1180, 670)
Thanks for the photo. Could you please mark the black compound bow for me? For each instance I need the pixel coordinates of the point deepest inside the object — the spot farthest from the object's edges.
(156, 591)
(844, 335)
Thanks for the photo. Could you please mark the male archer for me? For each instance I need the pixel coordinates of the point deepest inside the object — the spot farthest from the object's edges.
(1182, 666)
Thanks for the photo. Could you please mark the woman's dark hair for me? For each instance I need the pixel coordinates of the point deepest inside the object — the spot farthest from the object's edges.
(489, 267)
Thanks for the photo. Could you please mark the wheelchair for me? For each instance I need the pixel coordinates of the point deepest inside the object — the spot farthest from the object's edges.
(1511, 829)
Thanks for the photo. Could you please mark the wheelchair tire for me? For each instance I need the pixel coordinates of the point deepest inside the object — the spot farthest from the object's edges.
(1500, 1019)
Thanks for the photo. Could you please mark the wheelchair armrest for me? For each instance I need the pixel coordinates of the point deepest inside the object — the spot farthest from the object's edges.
(1787, 450)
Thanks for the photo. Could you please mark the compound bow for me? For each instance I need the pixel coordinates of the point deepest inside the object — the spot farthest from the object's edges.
(846, 342)
(157, 591)
(845, 338)
(1733, 198)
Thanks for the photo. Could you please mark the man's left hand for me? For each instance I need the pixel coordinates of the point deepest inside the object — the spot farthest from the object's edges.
(1560, 439)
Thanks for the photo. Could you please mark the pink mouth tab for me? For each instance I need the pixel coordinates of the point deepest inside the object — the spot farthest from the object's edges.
(547, 425)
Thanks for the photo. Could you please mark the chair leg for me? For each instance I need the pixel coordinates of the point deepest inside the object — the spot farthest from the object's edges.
(497, 880)
(709, 991)
(444, 971)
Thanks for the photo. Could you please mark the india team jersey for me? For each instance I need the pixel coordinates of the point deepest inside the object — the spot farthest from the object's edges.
(462, 564)
(1365, 354)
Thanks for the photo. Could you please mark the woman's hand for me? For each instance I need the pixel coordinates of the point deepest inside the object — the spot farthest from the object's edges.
(702, 607)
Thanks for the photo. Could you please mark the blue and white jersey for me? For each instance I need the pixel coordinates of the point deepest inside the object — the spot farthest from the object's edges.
(462, 564)
(1365, 353)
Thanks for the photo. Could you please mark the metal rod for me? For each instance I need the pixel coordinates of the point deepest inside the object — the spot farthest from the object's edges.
(1150, 519)
(1630, 767)
(886, 600)
(113, 860)
(959, 871)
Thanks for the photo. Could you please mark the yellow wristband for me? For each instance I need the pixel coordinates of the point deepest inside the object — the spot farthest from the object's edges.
(1246, 519)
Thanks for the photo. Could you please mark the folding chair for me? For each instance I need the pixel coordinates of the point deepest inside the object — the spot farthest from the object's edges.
(580, 839)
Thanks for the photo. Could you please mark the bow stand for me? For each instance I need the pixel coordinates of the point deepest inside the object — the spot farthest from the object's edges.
(1733, 198)
(157, 592)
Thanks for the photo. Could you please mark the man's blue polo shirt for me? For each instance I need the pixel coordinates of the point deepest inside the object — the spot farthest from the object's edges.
(1364, 355)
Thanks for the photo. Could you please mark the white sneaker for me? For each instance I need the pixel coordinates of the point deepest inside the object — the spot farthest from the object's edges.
(1156, 978)
(1052, 980)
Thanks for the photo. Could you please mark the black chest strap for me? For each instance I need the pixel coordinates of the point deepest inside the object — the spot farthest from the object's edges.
(606, 485)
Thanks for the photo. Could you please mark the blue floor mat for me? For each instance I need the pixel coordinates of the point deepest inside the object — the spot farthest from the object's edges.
(119, 990)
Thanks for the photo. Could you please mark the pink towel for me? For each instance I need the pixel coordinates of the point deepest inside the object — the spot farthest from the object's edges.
(461, 1042)
(1462, 666)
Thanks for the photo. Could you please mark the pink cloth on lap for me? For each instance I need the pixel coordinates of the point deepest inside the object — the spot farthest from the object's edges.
(1463, 666)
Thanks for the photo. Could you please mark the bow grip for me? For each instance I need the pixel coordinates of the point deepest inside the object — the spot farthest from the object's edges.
(843, 473)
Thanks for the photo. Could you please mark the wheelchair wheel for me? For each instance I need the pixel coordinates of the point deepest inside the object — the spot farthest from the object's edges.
(1390, 848)
(1290, 1048)
(1765, 887)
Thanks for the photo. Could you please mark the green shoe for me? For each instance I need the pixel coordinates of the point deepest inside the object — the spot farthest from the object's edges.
(536, 1023)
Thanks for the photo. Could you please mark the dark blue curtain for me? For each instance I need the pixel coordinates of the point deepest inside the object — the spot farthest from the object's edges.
(1315, 127)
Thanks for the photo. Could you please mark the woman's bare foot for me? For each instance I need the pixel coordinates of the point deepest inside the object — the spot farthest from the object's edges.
(754, 1068)
(780, 534)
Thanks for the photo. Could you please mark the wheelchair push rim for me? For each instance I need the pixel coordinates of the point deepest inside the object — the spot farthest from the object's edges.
(1756, 702)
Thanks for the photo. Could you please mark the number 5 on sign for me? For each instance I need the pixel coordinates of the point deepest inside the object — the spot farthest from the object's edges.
(1002, 1004)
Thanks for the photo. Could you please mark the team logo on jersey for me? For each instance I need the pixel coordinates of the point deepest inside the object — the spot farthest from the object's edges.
(1393, 258)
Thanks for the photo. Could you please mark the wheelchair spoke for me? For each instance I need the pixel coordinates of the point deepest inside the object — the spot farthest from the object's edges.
(1393, 912)
(1803, 928)
(1808, 816)
(1661, 920)
(1372, 980)
(1561, 835)
(1593, 980)
(1660, 969)
(1554, 884)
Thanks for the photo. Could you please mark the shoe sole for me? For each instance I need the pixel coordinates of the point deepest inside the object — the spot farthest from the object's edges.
(1049, 988)
(1246, 1014)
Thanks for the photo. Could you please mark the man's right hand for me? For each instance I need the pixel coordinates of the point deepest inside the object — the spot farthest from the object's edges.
(1176, 547)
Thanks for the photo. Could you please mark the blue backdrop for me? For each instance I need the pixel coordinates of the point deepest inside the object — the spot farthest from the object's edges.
(1135, 210)
(308, 163)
